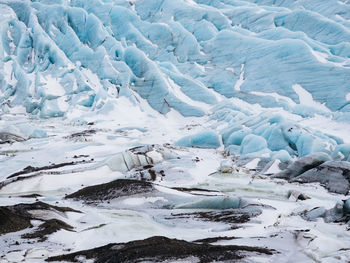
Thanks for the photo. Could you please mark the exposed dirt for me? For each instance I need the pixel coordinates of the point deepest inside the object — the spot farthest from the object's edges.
(47, 228)
(214, 239)
(83, 134)
(229, 216)
(31, 169)
(153, 174)
(160, 249)
(17, 217)
(111, 190)
(142, 149)
(30, 196)
(10, 221)
(6, 137)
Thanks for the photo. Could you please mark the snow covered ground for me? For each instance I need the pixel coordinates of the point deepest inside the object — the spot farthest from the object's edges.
(278, 226)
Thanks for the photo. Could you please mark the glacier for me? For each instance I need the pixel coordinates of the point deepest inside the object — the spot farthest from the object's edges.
(235, 114)
(64, 56)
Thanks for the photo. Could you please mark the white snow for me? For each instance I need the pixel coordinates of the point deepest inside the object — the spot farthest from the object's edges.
(328, 126)
(305, 98)
(240, 81)
(8, 73)
(183, 97)
(321, 57)
(252, 164)
(274, 168)
(52, 86)
(348, 97)
(275, 95)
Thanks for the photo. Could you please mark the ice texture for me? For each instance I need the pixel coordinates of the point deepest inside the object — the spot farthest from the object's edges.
(270, 134)
(139, 156)
(173, 53)
(194, 57)
(204, 139)
(218, 122)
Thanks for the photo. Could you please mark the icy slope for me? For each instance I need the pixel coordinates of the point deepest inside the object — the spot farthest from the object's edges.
(62, 58)
(56, 55)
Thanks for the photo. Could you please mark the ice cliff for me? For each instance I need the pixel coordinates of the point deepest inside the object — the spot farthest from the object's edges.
(199, 58)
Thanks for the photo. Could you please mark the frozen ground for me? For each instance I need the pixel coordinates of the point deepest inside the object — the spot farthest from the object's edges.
(275, 223)
(214, 130)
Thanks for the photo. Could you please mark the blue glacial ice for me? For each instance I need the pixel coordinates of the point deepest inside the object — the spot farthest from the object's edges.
(58, 56)
(271, 135)
(205, 139)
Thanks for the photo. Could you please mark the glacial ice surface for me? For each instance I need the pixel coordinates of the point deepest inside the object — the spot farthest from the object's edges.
(62, 57)
(202, 97)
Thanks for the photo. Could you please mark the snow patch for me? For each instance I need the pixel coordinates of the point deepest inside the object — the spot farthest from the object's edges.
(305, 98)
(240, 81)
